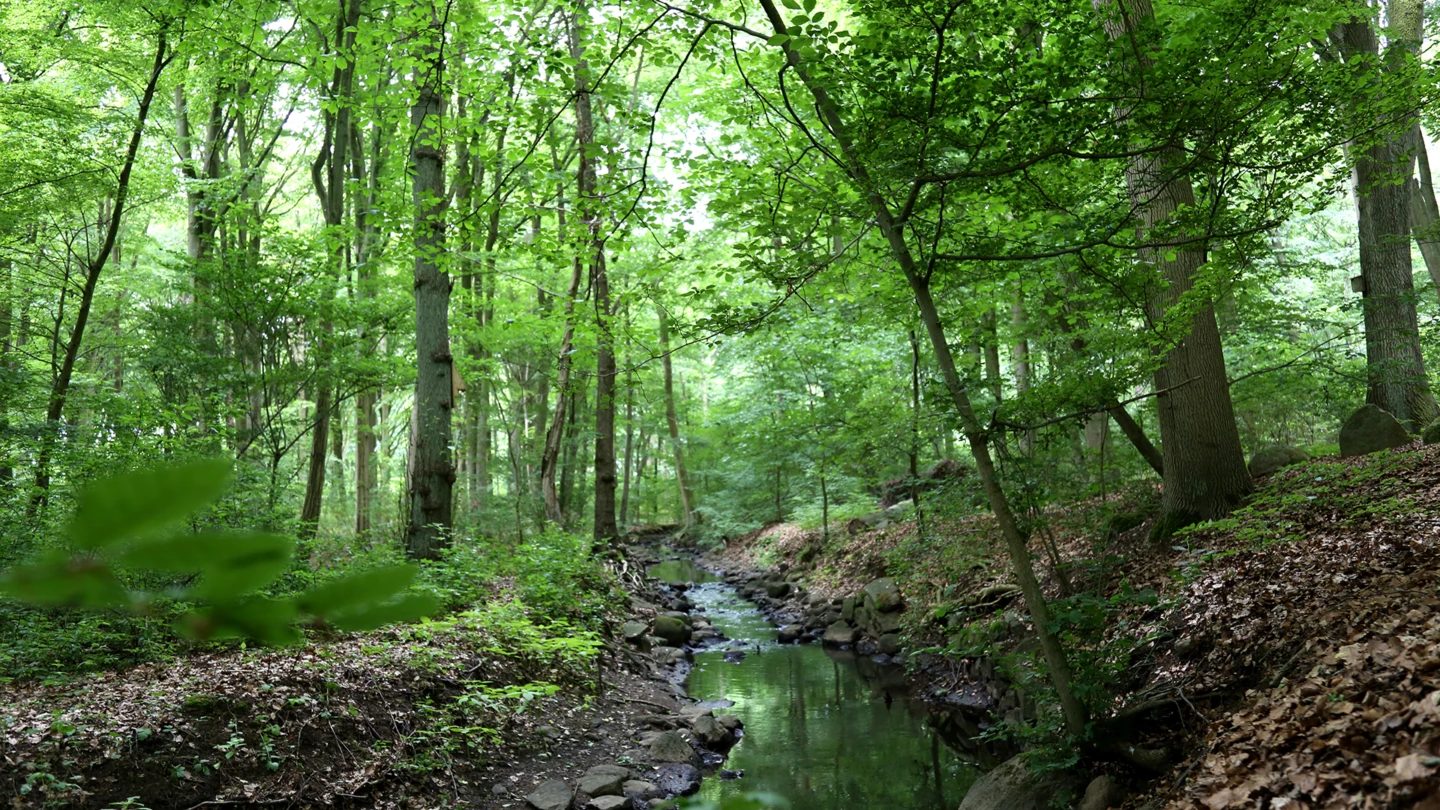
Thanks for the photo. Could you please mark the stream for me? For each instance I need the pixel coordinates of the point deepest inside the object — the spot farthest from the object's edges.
(823, 728)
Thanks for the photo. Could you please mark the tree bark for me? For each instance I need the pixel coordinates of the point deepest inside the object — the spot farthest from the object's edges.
(1205, 473)
(682, 476)
(432, 476)
(1074, 711)
(1395, 367)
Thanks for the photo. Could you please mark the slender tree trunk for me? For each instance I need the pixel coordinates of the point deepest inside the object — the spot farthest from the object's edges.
(682, 478)
(328, 173)
(366, 252)
(990, 342)
(432, 473)
(1424, 210)
(1205, 473)
(1015, 540)
(1019, 322)
(605, 529)
(60, 386)
(8, 368)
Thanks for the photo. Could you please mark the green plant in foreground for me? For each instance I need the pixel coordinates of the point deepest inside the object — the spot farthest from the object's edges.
(131, 522)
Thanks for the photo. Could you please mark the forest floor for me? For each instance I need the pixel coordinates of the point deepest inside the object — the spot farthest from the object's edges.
(1289, 659)
(472, 711)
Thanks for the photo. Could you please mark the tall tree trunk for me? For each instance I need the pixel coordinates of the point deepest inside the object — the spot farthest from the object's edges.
(990, 343)
(8, 367)
(1074, 711)
(624, 517)
(1021, 352)
(1424, 210)
(327, 173)
(605, 529)
(682, 476)
(432, 473)
(1205, 473)
(1395, 367)
(60, 385)
(366, 252)
(554, 437)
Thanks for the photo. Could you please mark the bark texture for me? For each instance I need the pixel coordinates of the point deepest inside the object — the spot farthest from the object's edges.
(1395, 368)
(432, 472)
(1203, 461)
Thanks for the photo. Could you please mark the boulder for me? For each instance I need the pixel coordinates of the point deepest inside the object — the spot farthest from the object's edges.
(883, 596)
(677, 778)
(633, 631)
(551, 795)
(1102, 794)
(709, 731)
(1431, 434)
(790, 633)
(840, 633)
(603, 780)
(668, 656)
(730, 722)
(679, 615)
(1370, 430)
(670, 746)
(1014, 786)
(777, 590)
(1270, 459)
(609, 803)
(889, 644)
(672, 630)
(638, 790)
(866, 647)
(847, 609)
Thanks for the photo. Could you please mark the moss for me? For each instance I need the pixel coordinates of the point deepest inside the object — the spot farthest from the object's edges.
(1172, 521)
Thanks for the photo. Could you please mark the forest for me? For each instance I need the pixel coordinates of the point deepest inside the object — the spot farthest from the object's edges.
(1058, 368)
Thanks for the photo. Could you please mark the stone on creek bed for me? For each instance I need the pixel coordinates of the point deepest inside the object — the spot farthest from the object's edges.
(551, 795)
(603, 780)
(677, 778)
(670, 746)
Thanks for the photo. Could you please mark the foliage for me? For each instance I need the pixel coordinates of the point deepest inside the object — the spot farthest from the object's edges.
(128, 523)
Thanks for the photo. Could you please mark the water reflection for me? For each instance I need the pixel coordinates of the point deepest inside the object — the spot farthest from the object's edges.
(681, 571)
(823, 729)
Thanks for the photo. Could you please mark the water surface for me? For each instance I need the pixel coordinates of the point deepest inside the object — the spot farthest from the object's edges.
(818, 727)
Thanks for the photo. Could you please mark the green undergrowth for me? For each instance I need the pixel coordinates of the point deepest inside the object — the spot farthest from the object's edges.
(1329, 492)
(550, 579)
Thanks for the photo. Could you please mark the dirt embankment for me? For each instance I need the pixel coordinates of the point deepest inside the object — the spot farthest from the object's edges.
(1290, 657)
(479, 710)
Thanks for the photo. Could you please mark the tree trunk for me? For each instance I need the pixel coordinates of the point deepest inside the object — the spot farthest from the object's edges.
(1021, 354)
(1395, 367)
(605, 529)
(60, 385)
(682, 478)
(432, 475)
(1424, 210)
(1205, 473)
(327, 173)
(1015, 540)
(990, 343)
(366, 252)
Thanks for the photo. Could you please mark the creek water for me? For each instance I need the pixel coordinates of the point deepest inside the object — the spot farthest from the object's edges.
(823, 728)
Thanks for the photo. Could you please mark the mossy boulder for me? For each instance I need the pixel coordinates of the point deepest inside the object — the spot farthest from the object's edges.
(1268, 460)
(675, 632)
(1370, 430)
(1431, 434)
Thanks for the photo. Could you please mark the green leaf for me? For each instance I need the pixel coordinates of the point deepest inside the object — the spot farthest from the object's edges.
(138, 503)
(357, 589)
(58, 579)
(271, 621)
(243, 563)
(409, 608)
